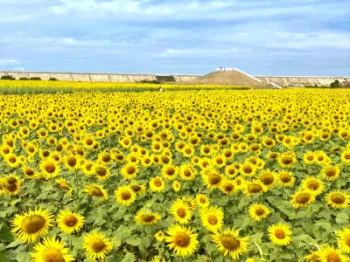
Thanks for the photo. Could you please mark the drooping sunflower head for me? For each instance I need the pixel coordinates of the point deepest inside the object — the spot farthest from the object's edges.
(96, 191)
(31, 225)
(147, 217)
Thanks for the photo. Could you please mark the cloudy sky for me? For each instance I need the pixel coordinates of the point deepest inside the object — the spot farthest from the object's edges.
(261, 37)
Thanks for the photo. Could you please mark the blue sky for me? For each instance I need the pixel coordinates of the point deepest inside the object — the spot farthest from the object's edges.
(295, 37)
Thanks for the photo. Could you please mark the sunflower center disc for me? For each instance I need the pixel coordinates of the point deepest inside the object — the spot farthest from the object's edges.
(53, 255)
(280, 234)
(97, 245)
(182, 239)
(338, 198)
(33, 224)
(181, 212)
(70, 220)
(50, 168)
(255, 188)
(126, 195)
(212, 220)
(333, 257)
(303, 198)
(230, 243)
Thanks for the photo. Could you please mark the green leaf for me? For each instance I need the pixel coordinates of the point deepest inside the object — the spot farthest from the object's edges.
(5, 234)
(342, 218)
(129, 257)
(123, 233)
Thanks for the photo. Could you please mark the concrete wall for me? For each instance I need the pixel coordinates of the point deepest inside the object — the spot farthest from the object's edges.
(283, 81)
(301, 81)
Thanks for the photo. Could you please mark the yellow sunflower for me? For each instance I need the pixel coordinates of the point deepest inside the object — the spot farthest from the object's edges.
(344, 240)
(187, 172)
(328, 253)
(258, 211)
(286, 178)
(69, 222)
(96, 245)
(50, 250)
(176, 186)
(181, 212)
(338, 199)
(31, 225)
(345, 157)
(287, 159)
(229, 242)
(212, 218)
(63, 184)
(49, 168)
(124, 195)
(12, 185)
(330, 173)
(254, 187)
(147, 218)
(313, 184)
(280, 234)
(129, 170)
(302, 198)
(202, 200)
(101, 171)
(182, 240)
(212, 179)
(157, 184)
(169, 172)
(159, 236)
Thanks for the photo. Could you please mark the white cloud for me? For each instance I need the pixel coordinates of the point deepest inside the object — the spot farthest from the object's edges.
(9, 62)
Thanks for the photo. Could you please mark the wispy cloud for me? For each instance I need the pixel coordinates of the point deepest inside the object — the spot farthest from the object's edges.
(9, 62)
(185, 36)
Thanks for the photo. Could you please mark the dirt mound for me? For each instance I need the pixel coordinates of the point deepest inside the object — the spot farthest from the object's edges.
(232, 78)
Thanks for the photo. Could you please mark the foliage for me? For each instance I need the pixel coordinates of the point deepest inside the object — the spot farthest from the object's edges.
(214, 135)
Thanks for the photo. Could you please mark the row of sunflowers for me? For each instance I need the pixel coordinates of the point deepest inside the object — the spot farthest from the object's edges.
(176, 176)
(52, 87)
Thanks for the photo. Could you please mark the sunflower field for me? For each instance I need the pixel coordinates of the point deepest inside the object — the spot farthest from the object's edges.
(215, 175)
